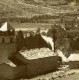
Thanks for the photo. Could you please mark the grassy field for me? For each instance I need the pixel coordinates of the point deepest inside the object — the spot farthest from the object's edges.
(30, 26)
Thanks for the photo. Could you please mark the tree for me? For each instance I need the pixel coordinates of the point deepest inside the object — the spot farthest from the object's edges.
(20, 40)
(38, 31)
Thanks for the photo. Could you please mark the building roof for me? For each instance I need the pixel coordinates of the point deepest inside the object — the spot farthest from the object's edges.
(6, 26)
(73, 57)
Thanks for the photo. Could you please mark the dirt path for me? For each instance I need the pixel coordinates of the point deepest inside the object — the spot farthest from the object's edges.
(59, 75)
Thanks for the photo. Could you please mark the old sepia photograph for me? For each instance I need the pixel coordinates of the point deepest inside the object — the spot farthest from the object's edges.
(39, 39)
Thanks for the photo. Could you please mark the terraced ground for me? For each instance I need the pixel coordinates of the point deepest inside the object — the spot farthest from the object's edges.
(16, 8)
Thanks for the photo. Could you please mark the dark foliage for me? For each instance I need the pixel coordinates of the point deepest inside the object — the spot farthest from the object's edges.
(20, 40)
(36, 41)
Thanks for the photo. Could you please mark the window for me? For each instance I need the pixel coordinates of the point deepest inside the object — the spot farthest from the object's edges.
(11, 40)
(3, 40)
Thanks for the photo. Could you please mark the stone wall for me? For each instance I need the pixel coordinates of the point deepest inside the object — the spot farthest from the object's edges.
(6, 50)
(40, 65)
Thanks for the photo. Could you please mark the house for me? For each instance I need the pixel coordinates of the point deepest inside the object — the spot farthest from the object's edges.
(7, 42)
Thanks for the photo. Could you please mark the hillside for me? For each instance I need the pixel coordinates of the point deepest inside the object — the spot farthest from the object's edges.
(29, 8)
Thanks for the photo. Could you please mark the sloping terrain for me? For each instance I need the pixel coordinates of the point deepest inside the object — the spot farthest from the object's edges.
(8, 9)
(24, 8)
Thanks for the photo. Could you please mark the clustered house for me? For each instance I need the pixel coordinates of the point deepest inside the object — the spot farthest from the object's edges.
(25, 67)
(7, 42)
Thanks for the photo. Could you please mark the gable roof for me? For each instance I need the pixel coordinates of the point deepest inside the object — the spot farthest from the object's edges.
(6, 26)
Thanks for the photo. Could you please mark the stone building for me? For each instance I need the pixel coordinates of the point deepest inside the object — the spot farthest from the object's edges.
(7, 42)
